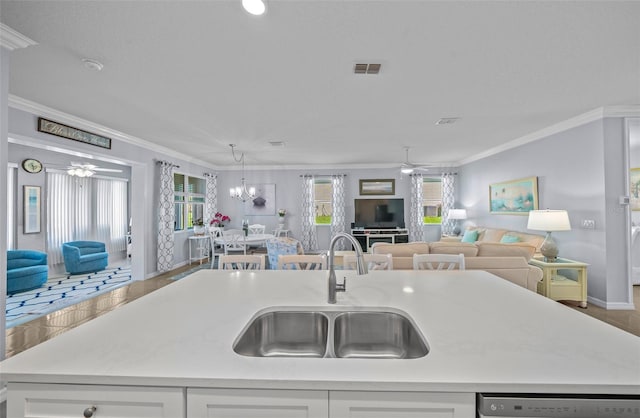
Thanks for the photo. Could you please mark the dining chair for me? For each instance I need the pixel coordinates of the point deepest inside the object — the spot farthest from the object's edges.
(215, 232)
(241, 262)
(374, 261)
(438, 261)
(302, 262)
(256, 229)
(234, 241)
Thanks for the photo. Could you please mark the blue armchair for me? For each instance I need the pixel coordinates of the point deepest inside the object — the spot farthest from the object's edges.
(84, 256)
(281, 246)
(26, 270)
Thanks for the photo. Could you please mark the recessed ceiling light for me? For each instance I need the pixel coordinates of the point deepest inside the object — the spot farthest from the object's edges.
(276, 143)
(92, 65)
(446, 121)
(255, 7)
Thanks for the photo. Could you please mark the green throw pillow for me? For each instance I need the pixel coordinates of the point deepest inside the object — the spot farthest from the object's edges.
(507, 239)
(470, 236)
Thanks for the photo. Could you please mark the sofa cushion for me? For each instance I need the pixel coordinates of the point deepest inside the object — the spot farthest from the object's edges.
(401, 250)
(492, 235)
(470, 236)
(443, 247)
(531, 239)
(495, 249)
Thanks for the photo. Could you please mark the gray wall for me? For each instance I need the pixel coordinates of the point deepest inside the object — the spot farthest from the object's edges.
(580, 170)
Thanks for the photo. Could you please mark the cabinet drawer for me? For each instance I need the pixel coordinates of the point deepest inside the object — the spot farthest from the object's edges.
(32, 400)
(401, 405)
(256, 403)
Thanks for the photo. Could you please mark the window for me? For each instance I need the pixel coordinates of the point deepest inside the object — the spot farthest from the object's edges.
(323, 192)
(432, 200)
(189, 198)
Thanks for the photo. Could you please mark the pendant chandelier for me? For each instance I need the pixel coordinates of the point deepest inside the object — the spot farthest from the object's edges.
(241, 192)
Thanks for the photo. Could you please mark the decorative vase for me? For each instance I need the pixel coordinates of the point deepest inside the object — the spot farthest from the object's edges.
(198, 230)
(281, 221)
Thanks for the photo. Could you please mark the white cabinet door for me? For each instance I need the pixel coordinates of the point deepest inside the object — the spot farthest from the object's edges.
(31, 400)
(401, 405)
(256, 403)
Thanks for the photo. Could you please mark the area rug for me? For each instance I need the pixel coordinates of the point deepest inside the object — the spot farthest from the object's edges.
(61, 292)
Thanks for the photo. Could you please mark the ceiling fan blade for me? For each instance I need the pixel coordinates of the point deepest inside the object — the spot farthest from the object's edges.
(112, 170)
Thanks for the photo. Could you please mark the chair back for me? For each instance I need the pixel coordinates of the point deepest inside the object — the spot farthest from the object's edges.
(282, 246)
(374, 261)
(302, 262)
(256, 229)
(234, 241)
(241, 262)
(438, 261)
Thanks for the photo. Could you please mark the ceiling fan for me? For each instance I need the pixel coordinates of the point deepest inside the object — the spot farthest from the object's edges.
(87, 170)
(407, 167)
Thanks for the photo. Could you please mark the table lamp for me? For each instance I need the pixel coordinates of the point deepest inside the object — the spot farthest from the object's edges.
(457, 214)
(549, 221)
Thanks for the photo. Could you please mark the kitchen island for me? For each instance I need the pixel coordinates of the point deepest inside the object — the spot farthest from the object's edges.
(172, 350)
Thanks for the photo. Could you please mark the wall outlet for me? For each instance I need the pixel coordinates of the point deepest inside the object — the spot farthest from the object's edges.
(588, 224)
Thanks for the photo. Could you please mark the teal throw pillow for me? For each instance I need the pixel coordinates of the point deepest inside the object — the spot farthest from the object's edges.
(470, 236)
(508, 239)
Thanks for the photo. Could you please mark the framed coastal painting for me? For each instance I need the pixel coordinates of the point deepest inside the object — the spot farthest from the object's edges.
(377, 187)
(515, 197)
(31, 209)
(634, 182)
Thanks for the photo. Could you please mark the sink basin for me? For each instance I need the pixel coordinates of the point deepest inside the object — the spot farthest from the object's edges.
(285, 334)
(372, 333)
(382, 335)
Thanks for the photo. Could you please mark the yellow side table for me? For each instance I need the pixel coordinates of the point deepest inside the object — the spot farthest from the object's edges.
(558, 287)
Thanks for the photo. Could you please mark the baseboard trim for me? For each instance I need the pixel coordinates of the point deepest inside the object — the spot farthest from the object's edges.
(611, 306)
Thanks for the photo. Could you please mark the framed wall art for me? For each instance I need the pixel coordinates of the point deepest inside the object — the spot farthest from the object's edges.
(31, 209)
(515, 197)
(377, 187)
(634, 183)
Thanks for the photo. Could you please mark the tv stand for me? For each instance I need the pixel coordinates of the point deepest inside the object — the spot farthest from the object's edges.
(367, 237)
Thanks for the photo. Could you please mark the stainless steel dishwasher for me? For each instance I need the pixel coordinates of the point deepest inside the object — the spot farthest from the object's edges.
(557, 406)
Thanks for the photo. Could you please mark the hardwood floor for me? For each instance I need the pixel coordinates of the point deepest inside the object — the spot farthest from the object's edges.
(22, 337)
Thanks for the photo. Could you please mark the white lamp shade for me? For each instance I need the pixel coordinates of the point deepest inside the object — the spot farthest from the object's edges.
(549, 220)
(457, 214)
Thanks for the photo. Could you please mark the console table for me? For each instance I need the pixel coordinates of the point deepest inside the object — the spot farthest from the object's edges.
(368, 237)
(558, 287)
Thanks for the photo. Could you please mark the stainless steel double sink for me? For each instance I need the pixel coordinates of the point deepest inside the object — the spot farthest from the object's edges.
(372, 333)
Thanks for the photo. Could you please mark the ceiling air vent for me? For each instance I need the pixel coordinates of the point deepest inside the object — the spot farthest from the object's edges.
(367, 68)
(446, 121)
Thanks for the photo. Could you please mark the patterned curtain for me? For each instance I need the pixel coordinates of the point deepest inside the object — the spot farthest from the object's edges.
(308, 218)
(338, 202)
(448, 200)
(166, 217)
(211, 198)
(11, 199)
(416, 211)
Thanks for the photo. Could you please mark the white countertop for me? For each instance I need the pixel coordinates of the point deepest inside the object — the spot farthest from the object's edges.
(485, 334)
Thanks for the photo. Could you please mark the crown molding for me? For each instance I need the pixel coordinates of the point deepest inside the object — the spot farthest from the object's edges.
(62, 117)
(12, 39)
(583, 119)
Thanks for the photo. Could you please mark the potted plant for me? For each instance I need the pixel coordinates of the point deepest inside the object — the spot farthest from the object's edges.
(281, 214)
(219, 220)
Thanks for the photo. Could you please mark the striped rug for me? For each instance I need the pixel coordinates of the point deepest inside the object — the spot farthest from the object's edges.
(61, 292)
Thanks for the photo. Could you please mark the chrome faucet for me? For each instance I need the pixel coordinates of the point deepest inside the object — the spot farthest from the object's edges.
(361, 266)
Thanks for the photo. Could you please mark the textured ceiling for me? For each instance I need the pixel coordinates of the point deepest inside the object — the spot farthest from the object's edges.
(195, 76)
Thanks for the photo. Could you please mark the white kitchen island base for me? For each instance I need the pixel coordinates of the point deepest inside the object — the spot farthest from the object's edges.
(173, 349)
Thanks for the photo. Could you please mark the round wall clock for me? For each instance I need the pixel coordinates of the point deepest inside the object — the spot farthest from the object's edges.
(32, 166)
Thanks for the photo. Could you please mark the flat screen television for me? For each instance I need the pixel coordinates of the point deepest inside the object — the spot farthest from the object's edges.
(379, 213)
